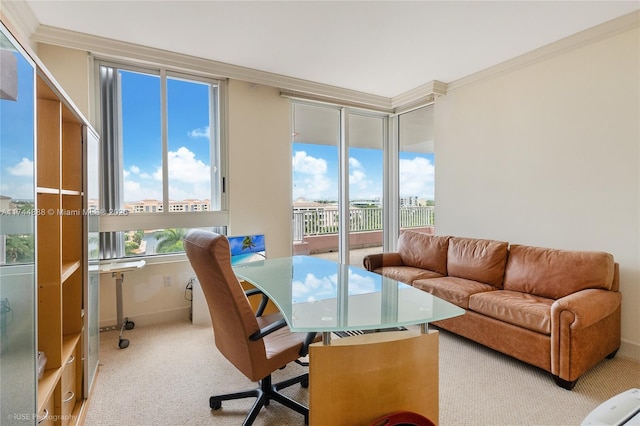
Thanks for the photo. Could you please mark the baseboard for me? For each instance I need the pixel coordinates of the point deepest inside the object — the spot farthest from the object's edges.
(171, 315)
(629, 350)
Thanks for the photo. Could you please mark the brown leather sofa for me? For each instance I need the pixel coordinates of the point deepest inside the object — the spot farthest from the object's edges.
(558, 310)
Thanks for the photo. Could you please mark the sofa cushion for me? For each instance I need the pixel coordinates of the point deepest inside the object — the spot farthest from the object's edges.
(521, 309)
(554, 273)
(406, 274)
(478, 260)
(424, 251)
(452, 289)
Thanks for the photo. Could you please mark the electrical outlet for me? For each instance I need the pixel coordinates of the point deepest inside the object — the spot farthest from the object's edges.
(167, 280)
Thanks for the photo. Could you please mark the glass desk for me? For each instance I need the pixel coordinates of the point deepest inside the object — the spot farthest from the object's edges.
(357, 379)
(319, 295)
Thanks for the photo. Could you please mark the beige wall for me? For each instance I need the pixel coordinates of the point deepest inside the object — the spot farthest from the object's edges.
(260, 165)
(548, 155)
(71, 69)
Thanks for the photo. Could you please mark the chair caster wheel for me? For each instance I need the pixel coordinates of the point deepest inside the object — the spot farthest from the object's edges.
(123, 343)
(129, 325)
(215, 405)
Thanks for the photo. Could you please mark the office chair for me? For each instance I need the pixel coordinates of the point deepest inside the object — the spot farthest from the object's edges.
(255, 345)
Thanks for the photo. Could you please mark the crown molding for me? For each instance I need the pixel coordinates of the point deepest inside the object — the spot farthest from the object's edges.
(21, 21)
(421, 94)
(599, 32)
(118, 50)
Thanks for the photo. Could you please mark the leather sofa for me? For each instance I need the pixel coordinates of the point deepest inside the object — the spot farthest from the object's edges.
(558, 310)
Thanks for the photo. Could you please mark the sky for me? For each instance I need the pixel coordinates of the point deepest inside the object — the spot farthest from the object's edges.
(17, 136)
(318, 280)
(188, 138)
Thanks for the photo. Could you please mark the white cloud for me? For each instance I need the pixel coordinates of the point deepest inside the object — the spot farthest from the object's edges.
(23, 168)
(185, 167)
(313, 184)
(303, 163)
(201, 132)
(417, 177)
(314, 288)
(359, 284)
(188, 178)
(135, 191)
(354, 163)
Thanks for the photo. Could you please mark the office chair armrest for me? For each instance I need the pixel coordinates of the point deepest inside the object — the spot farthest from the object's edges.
(268, 330)
(263, 302)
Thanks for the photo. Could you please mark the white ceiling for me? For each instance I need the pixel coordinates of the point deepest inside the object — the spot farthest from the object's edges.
(383, 48)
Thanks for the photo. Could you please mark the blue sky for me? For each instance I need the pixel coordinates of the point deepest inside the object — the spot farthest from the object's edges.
(188, 138)
(318, 278)
(315, 173)
(16, 133)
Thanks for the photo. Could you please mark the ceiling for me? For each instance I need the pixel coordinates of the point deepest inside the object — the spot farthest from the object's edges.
(383, 48)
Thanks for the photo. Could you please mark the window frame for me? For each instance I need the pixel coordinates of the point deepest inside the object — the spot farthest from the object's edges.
(218, 215)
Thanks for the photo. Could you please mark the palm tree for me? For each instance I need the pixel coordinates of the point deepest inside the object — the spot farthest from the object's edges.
(170, 240)
(247, 243)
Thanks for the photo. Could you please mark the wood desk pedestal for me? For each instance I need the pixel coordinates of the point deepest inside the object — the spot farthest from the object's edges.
(355, 380)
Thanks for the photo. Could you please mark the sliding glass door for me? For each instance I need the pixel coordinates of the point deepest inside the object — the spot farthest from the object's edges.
(316, 178)
(366, 139)
(337, 189)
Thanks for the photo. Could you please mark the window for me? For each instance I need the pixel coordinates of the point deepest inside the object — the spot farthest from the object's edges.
(163, 168)
(361, 175)
(416, 170)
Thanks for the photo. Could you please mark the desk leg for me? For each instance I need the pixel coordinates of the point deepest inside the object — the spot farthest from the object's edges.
(122, 322)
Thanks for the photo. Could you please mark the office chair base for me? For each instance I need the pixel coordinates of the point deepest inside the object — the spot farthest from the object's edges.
(264, 394)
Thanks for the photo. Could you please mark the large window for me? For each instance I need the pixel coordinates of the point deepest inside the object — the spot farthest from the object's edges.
(359, 177)
(163, 168)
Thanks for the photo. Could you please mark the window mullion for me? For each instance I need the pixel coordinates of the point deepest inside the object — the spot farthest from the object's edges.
(164, 132)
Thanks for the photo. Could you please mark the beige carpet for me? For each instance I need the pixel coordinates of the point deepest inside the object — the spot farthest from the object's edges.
(166, 375)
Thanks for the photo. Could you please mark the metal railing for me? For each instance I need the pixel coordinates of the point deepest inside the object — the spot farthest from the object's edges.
(325, 221)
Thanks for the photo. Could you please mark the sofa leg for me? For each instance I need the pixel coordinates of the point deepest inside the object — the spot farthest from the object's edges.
(566, 384)
(612, 354)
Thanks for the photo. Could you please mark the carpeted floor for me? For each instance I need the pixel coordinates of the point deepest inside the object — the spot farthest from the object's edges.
(168, 372)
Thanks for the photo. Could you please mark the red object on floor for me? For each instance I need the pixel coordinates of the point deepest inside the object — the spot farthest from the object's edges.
(403, 418)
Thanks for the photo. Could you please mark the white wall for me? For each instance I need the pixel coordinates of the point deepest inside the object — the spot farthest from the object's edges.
(548, 155)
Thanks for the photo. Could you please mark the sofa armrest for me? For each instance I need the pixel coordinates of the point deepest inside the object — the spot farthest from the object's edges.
(585, 328)
(371, 262)
(586, 306)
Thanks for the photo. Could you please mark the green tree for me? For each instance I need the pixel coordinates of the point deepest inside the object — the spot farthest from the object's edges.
(20, 248)
(170, 240)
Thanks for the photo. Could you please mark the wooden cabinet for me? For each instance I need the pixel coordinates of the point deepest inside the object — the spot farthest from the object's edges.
(47, 302)
(60, 255)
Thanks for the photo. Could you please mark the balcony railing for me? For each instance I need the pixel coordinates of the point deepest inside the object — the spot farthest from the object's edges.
(324, 222)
